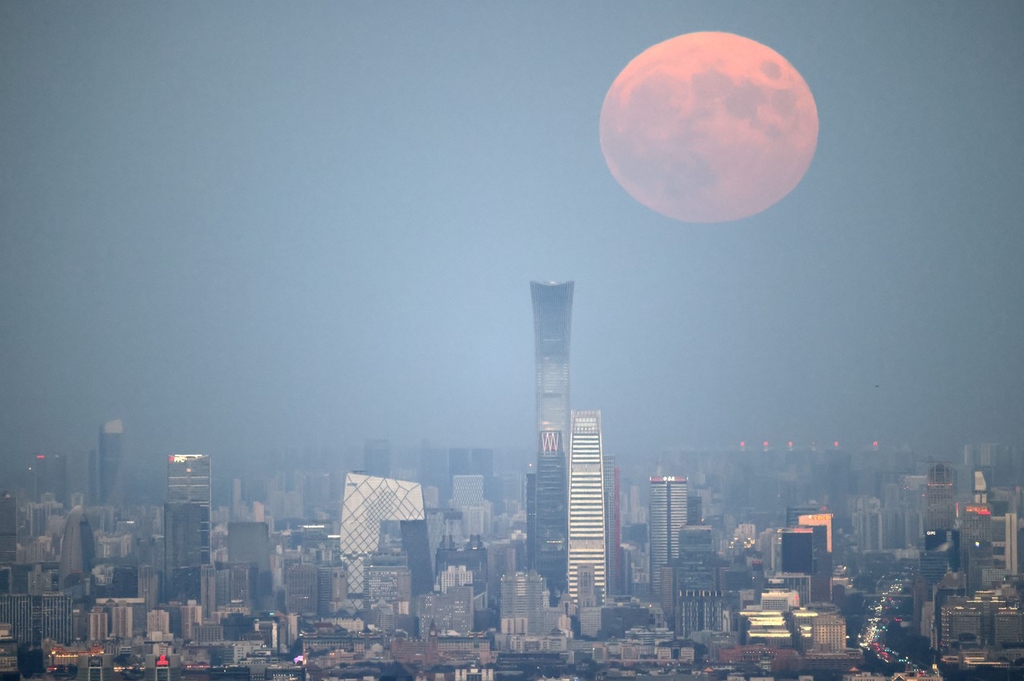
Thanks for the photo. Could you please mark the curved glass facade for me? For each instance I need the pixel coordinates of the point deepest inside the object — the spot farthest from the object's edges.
(552, 326)
(552, 323)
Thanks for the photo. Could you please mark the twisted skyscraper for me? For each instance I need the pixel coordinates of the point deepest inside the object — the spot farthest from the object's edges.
(552, 324)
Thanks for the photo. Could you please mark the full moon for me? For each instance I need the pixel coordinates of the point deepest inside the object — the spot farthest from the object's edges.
(709, 127)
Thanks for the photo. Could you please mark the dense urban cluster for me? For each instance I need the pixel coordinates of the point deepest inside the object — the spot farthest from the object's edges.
(775, 559)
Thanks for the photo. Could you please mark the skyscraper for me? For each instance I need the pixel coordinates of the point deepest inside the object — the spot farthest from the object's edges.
(667, 515)
(186, 525)
(77, 549)
(940, 500)
(586, 504)
(612, 525)
(109, 462)
(552, 323)
(523, 602)
(552, 326)
(8, 528)
(370, 500)
(188, 479)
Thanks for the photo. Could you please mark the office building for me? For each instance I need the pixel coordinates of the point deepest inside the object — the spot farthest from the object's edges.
(8, 528)
(476, 461)
(797, 550)
(701, 610)
(828, 633)
(416, 545)
(665, 517)
(473, 558)
(552, 325)
(186, 526)
(612, 528)
(523, 602)
(188, 479)
(37, 617)
(587, 547)
(551, 512)
(450, 610)
(77, 550)
(300, 584)
(369, 501)
(108, 482)
(940, 500)
(696, 560)
(387, 578)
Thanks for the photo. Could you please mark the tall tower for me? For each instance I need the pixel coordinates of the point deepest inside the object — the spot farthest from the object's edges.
(940, 501)
(8, 528)
(552, 323)
(612, 525)
(587, 546)
(77, 549)
(666, 517)
(186, 525)
(109, 462)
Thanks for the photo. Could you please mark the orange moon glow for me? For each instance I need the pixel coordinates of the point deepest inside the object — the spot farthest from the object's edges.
(709, 127)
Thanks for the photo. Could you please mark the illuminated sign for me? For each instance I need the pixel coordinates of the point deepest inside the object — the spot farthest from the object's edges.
(551, 441)
(162, 661)
(980, 510)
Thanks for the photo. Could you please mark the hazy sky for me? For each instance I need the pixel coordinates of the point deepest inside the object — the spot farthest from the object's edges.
(248, 226)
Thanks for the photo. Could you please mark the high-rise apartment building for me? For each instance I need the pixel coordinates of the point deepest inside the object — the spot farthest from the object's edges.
(109, 481)
(587, 547)
(186, 525)
(666, 516)
(552, 324)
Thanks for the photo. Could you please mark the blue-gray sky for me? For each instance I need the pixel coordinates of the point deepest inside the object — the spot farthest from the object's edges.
(251, 226)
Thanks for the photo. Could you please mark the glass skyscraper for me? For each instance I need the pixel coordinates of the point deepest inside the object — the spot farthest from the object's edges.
(552, 324)
(186, 525)
(109, 462)
(552, 327)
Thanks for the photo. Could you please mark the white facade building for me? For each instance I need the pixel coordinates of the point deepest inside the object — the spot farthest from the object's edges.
(370, 500)
(586, 506)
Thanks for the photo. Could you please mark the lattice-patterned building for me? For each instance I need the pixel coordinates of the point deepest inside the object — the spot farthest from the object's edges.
(370, 500)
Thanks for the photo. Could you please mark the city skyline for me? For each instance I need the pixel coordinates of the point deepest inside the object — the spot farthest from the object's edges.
(270, 406)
